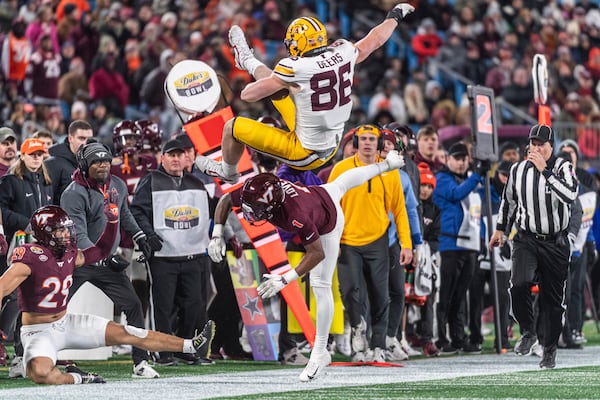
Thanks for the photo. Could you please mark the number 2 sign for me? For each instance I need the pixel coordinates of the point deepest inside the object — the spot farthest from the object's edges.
(483, 123)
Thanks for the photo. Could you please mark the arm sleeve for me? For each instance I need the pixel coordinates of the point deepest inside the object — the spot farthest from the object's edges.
(103, 246)
(563, 183)
(397, 205)
(575, 220)
(411, 209)
(507, 204)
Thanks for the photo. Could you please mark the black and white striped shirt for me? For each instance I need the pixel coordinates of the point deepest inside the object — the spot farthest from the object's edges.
(538, 202)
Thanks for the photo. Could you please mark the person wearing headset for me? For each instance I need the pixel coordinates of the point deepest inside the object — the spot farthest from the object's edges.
(364, 244)
(84, 201)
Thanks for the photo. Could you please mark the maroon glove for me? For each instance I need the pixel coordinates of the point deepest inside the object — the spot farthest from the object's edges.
(236, 246)
(3, 245)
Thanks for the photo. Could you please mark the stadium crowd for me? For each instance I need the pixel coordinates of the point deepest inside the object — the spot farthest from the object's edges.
(75, 69)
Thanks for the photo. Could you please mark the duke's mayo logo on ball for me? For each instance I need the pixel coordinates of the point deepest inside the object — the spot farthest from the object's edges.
(183, 217)
(193, 83)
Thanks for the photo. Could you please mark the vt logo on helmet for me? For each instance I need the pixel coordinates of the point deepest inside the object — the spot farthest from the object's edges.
(305, 36)
(261, 196)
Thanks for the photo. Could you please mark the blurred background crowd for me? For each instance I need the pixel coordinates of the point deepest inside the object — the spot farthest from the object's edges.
(105, 61)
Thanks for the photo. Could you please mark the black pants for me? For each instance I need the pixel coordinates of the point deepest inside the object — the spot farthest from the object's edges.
(545, 262)
(360, 265)
(179, 295)
(225, 312)
(476, 303)
(397, 300)
(456, 270)
(118, 288)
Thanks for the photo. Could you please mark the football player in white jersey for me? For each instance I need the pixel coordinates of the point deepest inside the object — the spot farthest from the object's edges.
(311, 89)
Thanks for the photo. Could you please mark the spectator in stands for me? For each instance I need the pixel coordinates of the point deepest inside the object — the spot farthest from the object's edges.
(108, 84)
(46, 138)
(43, 24)
(509, 151)
(416, 110)
(15, 58)
(571, 112)
(518, 92)
(460, 204)
(427, 145)
(426, 42)
(388, 97)
(8, 149)
(43, 73)
(68, 24)
(62, 161)
(86, 40)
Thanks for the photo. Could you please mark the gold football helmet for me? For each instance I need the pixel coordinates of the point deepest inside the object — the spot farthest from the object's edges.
(304, 35)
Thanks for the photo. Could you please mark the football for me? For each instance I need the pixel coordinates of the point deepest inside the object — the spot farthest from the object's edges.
(280, 94)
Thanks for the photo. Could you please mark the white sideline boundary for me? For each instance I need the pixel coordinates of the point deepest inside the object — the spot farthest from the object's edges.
(286, 380)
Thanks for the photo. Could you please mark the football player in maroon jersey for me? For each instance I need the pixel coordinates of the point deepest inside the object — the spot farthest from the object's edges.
(42, 272)
(315, 214)
(131, 164)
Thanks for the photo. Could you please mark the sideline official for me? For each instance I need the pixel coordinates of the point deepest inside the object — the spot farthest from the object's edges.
(538, 198)
(172, 208)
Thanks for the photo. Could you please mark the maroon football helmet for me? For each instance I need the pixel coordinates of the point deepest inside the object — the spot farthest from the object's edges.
(268, 120)
(52, 227)
(127, 138)
(262, 195)
(151, 135)
(398, 129)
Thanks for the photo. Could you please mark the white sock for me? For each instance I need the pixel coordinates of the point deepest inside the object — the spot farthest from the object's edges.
(76, 378)
(252, 64)
(188, 347)
(324, 300)
(229, 169)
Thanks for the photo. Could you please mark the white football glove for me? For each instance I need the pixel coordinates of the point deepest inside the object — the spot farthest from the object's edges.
(216, 249)
(394, 160)
(400, 11)
(271, 286)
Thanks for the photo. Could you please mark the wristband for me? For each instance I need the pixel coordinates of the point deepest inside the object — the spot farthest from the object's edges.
(289, 276)
(1, 230)
(217, 230)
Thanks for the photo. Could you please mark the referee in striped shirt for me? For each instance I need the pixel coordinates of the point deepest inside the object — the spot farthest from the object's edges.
(537, 199)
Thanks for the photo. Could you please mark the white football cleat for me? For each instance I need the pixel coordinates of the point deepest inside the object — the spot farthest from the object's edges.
(316, 365)
(241, 51)
(144, 371)
(17, 369)
(394, 160)
(215, 169)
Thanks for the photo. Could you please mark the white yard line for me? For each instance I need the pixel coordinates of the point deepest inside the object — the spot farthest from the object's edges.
(286, 380)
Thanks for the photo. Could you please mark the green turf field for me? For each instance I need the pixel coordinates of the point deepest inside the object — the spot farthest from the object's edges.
(488, 376)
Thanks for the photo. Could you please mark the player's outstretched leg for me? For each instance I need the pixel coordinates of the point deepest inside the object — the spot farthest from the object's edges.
(214, 168)
(316, 365)
(86, 377)
(243, 54)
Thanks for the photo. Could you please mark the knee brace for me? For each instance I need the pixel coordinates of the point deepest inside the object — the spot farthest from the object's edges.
(137, 332)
